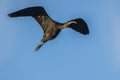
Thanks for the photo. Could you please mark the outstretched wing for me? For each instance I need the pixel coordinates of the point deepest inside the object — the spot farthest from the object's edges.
(80, 26)
(37, 12)
(31, 11)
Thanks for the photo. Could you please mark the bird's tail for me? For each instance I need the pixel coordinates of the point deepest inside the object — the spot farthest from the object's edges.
(31, 11)
(39, 46)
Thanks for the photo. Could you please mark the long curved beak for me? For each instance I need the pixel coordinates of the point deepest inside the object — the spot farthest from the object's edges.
(72, 22)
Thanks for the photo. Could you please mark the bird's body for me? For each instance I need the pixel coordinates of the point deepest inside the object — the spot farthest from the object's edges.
(50, 27)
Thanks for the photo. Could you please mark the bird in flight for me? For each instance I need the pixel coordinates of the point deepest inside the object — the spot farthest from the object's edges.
(51, 28)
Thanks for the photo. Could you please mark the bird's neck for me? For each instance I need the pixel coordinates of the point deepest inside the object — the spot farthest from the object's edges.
(65, 25)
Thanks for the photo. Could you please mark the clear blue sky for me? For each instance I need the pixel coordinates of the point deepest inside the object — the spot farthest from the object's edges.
(71, 56)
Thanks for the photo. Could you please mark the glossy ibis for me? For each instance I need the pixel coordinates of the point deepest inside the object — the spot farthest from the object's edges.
(50, 27)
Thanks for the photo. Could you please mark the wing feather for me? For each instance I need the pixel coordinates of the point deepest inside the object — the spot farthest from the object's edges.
(31, 11)
(80, 26)
(37, 12)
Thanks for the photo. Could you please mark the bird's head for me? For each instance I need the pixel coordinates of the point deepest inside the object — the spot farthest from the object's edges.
(71, 22)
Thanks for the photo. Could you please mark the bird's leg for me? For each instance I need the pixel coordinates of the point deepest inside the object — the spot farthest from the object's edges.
(40, 45)
(43, 41)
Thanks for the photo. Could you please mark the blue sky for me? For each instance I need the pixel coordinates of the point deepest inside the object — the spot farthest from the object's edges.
(71, 56)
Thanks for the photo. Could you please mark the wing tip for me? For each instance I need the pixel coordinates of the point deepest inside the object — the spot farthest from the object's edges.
(10, 15)
(86, 33)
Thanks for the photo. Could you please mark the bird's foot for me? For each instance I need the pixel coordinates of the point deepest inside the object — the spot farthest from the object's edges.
(39, 46)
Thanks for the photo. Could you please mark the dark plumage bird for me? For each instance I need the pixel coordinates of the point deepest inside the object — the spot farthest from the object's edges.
(50, 27)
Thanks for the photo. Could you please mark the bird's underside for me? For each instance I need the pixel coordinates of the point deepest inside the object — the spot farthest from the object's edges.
(50, 27)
